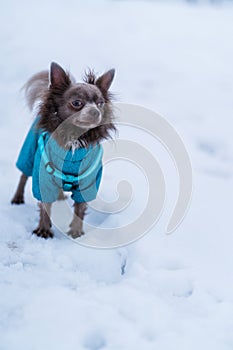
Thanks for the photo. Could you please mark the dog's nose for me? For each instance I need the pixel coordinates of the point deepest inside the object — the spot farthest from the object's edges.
(94, 113)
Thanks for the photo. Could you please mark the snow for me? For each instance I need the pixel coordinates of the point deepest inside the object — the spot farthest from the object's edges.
(162, 291)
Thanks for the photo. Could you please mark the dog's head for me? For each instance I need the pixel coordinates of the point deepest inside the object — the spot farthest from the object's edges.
(84, 109)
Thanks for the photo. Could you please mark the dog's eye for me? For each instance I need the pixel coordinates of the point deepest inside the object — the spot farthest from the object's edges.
(100, 103)
(76, 103)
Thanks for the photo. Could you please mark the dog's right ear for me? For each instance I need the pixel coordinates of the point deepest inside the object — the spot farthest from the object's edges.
(58, 77)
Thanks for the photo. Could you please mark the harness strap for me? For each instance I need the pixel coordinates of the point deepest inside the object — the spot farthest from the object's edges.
(68, 179)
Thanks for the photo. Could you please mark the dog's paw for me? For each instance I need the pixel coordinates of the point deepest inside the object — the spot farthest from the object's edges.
(43, 233)
(17, 199)
(74, 233)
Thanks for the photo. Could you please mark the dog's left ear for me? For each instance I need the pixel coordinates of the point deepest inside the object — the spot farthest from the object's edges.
(104, 81)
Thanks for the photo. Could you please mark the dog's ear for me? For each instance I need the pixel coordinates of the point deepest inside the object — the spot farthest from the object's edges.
(104, 81)
(58, 77)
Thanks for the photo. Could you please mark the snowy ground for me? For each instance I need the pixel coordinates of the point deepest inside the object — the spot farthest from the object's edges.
(162, 292)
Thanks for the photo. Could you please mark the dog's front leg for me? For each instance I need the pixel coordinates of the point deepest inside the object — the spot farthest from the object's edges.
(76, 226)
(19, 194)
(43, 229)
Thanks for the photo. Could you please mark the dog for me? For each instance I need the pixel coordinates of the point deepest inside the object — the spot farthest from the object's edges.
(62, 150)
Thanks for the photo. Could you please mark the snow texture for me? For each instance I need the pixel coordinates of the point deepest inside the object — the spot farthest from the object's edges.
(161, 292)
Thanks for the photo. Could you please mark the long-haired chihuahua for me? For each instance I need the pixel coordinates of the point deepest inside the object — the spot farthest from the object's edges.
(62, 150)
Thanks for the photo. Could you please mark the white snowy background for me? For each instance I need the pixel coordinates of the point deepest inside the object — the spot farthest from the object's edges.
(161, 292)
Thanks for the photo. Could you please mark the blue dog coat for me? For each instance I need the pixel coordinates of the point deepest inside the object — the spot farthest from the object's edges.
(53, 168)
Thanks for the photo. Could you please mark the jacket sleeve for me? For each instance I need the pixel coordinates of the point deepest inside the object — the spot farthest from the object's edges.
(26, 156)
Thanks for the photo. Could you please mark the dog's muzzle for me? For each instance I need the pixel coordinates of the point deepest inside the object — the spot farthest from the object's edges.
(90, 116)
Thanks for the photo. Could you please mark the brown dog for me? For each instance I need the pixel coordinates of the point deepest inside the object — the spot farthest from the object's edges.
(76, 116)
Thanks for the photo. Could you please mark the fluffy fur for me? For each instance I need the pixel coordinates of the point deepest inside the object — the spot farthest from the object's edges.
(51, 97)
